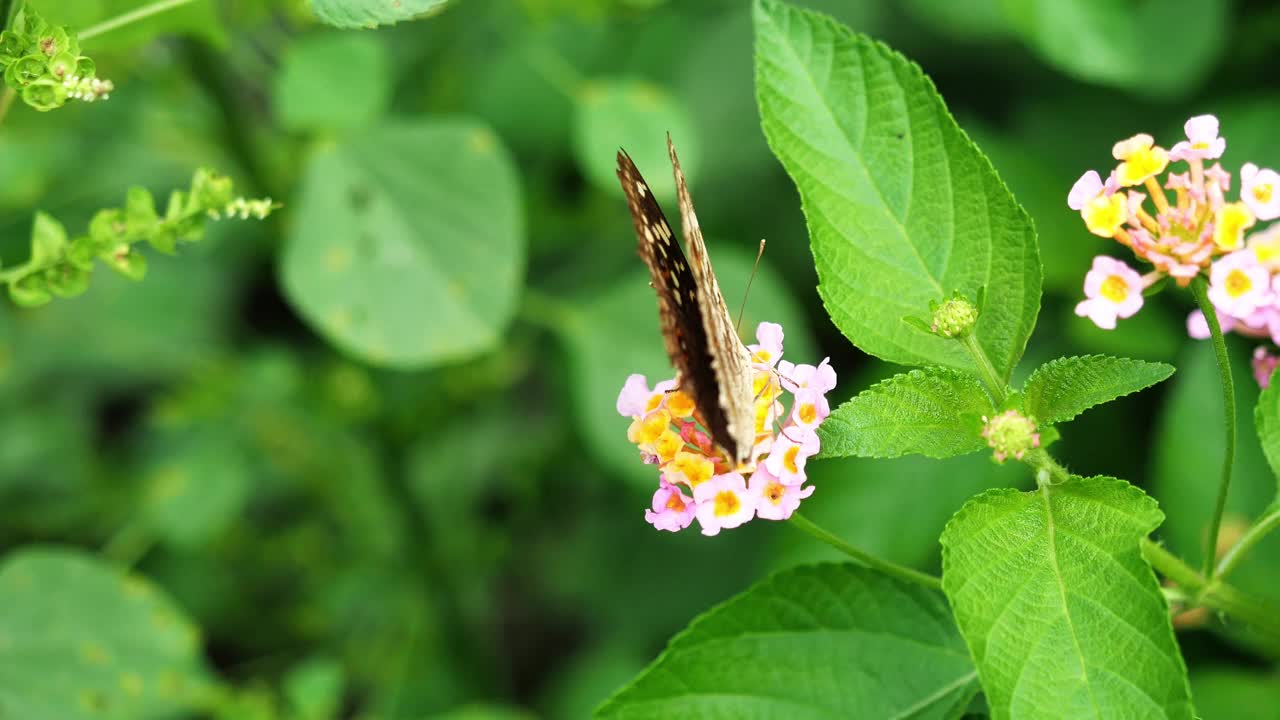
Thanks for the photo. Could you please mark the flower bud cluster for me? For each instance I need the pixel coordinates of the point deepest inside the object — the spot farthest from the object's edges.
(43, 63)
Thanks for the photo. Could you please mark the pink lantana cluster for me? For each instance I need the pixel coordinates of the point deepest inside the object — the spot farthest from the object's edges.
(1197, 230)
(770, 484)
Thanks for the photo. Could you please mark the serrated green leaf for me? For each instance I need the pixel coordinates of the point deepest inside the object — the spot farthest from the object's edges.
(934, 412)
(409, 241)
(1063, 388)
(372, 13)
(83, 640)
(636, 116)
(1266, 419)
(333, 81)
(823, 641)
(1062, 615)
(902, 208)
(48, 240)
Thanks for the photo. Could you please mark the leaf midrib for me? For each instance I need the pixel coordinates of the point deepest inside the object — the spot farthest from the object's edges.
(1062, 594)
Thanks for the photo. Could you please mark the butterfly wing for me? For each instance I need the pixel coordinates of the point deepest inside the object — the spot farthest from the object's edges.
(730, 360)
(679, 298)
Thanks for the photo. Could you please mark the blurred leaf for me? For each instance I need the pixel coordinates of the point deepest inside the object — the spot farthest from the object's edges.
(593, 674)
(1156, 333)
(372, 13)
(1051, 592)
(48, 239)
(887, 649)
(1266, 418)
(1093, 40)
(964, 19)
(196, 487)
(408, 244)
(934, 412)
(636, 116)
(894, 509)
(1229, 693)
(485, 712)
(889, 233)
(1063, 388)
(332, 81)
(314, 689)
(615, 333)
(199, 19)
(84, 640)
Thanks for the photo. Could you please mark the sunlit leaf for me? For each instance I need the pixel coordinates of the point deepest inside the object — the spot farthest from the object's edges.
(902, 208)
(372, 13)
(1063, 616)
(1061, 389)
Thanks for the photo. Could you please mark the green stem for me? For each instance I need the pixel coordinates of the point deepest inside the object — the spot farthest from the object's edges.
(863, 558)
(132, 16)
(1260, 614)
(1265, 524)
(1048, 470)
(6, 100)
(1199, 290)
(129, 544)
(986, 371)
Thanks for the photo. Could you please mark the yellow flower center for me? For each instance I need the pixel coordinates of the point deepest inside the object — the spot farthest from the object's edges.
(654, 401)
(649, 428)
(726, 503)
(808, 413)
(789, 459)
(1114, 288)
(1232, 220)
(774, 492)
(1105, 214)
(695, 468)
(1141, 164)
(1262, 192)
(761, 356)
(668, 444)
(680, 404)
(1237, 283)
(675, 503)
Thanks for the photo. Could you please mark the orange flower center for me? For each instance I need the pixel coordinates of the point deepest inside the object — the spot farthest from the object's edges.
(727, 503)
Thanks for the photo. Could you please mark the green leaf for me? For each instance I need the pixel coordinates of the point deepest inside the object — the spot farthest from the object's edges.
(902, 208)
(613, 333)
(332, 81)
(195, 487)
(372, 13)
(1092, 40)
(636, 116)
(822, 641)
(1266, 418)
(934, 412)
(314, 689)
(48, 240)
(1061, 613)
(84, 640)
(408, 245)
(1063, 388)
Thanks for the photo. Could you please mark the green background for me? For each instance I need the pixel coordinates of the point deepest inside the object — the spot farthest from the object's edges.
(365, 452)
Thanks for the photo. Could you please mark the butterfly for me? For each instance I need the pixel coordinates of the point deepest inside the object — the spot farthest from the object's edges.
(712, 364)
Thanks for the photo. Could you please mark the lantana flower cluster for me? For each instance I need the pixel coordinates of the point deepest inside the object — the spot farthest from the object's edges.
(696, 478)
(1200, 229)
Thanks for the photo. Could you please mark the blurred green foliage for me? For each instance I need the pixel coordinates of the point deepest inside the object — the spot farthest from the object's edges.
(368, 446)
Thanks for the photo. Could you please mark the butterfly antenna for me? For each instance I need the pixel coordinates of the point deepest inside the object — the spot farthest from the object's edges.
(743, 308)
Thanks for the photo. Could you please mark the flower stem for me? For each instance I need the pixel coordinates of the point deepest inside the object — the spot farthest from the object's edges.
(863, 558)
(1198, 289)
(1265, 524)
(132, 16)
(1052, 471)
(995, 386)
(1259, 614)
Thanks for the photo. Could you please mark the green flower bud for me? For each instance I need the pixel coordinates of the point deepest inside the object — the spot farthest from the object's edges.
(29, 291)
(131, 264)
(1010, 434)
(954, 318)
(45, 95)
(66, 280)
(26, 70)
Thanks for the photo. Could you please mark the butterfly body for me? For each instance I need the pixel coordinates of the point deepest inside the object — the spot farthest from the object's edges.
(712, 364)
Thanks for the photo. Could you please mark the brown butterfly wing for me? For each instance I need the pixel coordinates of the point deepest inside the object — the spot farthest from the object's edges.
(692, 349)
(730, 360)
